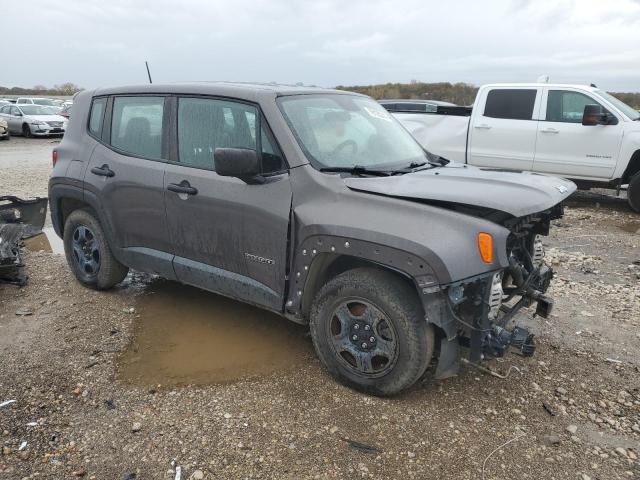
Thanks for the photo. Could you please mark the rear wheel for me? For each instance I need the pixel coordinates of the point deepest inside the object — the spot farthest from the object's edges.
(26, 130)
(369, 330)
(633, 193)
(88, 253)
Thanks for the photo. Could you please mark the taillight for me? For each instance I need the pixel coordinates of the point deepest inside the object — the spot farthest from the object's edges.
(54, 157)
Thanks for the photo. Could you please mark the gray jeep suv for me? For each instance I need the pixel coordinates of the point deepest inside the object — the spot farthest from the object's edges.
(312, 203)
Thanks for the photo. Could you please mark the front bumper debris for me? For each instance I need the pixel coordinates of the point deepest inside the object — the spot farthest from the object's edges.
(19, 219)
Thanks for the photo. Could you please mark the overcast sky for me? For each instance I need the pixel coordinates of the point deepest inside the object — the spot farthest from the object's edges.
(323, 42)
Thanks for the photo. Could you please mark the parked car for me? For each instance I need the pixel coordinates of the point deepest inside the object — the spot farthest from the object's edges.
(4, 102)
(49, 102)
(66, 110)
(575, 131)
(315, 204)
(411, 105)
(4, 130)
(33, 120)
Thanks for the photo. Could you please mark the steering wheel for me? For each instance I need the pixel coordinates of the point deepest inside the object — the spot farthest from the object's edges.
(343, 145)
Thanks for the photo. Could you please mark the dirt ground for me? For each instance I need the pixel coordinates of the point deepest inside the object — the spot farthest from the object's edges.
(120, 384)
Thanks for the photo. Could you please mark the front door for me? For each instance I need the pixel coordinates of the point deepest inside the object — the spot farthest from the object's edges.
(568, 148)
(503, 135)
(227, 236)
(126, 174)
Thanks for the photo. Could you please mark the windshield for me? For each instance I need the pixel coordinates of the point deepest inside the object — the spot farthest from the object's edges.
(36, 110)
(342, 131)
(630, 112)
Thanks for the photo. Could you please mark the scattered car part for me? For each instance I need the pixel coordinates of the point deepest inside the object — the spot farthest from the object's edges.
(19, 219)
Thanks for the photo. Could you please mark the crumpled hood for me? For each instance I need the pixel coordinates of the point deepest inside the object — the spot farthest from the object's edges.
(517, 194)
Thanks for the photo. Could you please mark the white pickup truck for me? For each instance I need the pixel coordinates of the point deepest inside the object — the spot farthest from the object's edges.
(573, 131)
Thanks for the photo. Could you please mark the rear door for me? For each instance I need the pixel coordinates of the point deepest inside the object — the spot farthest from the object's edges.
(227, 236)
(503, 132)
(126, 174)
(568, 148)
(15, 120)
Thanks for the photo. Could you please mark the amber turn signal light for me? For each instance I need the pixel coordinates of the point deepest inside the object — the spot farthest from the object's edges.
(485, 246)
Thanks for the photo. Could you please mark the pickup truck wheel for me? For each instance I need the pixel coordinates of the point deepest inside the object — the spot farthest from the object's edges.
(369, 330)
(88, 253)
(633, 192)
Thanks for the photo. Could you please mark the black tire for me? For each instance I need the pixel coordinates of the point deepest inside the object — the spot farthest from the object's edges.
(633, 193)
(91, 260)
(26, 131)
(372, 293)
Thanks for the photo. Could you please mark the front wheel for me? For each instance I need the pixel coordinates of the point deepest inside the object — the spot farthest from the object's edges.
(26, 130)
(633, 192)
(88, 253)
(369, 330)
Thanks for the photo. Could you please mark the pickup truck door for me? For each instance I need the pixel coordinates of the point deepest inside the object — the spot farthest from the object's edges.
(568, 148)
(228, 236)
(502, 132)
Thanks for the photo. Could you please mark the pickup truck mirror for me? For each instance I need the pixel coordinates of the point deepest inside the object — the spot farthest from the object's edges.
(596, 115)
(242, 163)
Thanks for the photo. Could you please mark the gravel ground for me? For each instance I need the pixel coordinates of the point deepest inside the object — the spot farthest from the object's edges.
(570, 412)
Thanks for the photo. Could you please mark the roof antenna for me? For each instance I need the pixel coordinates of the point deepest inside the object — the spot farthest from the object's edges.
(148, 72)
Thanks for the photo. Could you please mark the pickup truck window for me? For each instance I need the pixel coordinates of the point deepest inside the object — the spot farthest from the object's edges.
(512, 104)
(346, 130)
(136, 126)
(630, 112)
(567, 106)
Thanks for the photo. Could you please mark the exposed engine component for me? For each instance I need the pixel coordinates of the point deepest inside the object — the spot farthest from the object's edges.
(537, 254)
(495, 296)
(499, 340)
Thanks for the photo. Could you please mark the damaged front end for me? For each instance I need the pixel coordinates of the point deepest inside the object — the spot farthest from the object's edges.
(19, 219)
(479, 312)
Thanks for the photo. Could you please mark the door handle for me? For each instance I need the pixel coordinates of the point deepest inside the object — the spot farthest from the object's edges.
(550, 130)
(483, 126)
(182, 187)
(103, 171)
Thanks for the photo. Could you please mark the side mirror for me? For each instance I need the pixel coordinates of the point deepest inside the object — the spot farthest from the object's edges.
(242, 163)
(596, 115)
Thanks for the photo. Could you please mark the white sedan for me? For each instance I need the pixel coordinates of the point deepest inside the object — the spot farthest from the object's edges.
(33, 120)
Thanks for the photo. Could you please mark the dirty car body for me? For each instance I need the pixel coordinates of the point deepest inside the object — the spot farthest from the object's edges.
(332, 190)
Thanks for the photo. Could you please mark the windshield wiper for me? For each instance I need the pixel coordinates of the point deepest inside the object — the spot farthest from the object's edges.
(357, 170)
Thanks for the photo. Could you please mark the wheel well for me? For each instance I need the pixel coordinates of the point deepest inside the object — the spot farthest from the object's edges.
(327, 266)
(68, 205)
(632, 168)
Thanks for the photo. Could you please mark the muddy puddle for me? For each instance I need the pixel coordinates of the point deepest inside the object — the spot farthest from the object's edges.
(184, 335)
(46, 241)
(630, 226)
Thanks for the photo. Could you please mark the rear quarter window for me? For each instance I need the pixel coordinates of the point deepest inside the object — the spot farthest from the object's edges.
(512, 104)
(96, 117)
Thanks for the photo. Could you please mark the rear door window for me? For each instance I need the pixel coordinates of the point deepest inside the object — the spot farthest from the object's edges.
(96, 116)
(512, 104)
(137, 124)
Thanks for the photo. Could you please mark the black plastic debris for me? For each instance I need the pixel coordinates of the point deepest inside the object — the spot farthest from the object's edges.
(19, 219)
